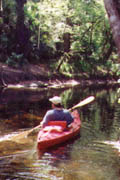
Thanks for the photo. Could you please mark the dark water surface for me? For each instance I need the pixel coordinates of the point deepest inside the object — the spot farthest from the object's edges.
(94, 155)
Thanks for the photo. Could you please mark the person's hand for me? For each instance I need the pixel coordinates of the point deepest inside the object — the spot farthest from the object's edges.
(70, 125)
(40, 125)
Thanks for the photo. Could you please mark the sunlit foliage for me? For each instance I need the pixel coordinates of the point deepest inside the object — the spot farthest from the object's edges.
(85, 24)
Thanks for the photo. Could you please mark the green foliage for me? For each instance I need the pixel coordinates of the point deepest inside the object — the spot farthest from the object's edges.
(67, 97)
(16, 60)
(90, 24)
(49, 18)
(48, 21)
(115, 68)
(9, 11)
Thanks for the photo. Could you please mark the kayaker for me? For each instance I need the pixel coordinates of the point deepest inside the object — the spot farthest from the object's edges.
(57, 113)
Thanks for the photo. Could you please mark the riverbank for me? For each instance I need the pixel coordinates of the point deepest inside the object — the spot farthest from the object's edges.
(34, 76)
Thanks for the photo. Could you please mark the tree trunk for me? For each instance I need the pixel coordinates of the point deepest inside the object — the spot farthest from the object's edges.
(113, 11)
(22, 33)
(66, 38)
(1, 8)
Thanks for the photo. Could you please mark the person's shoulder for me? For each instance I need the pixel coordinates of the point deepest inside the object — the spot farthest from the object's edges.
(51, 111)
(66, 111)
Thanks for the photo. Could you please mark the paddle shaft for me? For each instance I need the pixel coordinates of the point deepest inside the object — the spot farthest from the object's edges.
(82, 103)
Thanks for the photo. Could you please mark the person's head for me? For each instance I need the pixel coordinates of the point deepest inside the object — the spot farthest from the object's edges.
(56, 101)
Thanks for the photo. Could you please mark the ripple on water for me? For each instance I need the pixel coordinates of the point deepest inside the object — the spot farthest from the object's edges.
(27, 166)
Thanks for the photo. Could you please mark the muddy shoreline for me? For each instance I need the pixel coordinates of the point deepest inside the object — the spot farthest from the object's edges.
(34, 76)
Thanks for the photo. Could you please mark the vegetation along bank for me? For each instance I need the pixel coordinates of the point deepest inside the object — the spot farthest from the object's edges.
(57, 41)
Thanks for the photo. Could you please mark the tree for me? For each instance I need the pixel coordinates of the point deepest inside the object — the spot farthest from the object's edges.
(22, 32)
(113, 11)
(74, 36)
(1, 7)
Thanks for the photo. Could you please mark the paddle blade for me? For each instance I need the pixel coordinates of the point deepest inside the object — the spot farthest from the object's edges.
(82, 103)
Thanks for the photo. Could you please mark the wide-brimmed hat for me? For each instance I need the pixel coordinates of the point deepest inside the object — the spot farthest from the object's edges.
(56, 100)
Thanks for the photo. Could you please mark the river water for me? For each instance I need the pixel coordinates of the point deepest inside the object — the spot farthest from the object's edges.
(94, 155)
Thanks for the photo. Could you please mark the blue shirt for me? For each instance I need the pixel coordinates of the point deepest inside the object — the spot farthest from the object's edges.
(57, 115)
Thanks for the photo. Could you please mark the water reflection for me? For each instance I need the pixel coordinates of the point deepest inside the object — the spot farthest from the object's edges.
(89, 157)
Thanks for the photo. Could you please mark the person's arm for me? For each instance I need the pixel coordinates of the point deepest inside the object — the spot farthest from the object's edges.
(46, 119)
(70, 118)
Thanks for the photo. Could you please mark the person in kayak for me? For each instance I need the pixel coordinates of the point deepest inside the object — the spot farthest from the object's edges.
(57, 113)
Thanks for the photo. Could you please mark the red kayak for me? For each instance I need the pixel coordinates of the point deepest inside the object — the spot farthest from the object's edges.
(56, 132)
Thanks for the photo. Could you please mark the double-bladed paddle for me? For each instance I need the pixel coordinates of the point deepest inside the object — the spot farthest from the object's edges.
(81, 103)
(36, 129)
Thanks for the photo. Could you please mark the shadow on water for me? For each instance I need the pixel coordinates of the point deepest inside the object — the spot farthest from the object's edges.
(91, 156)
(61, 151)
